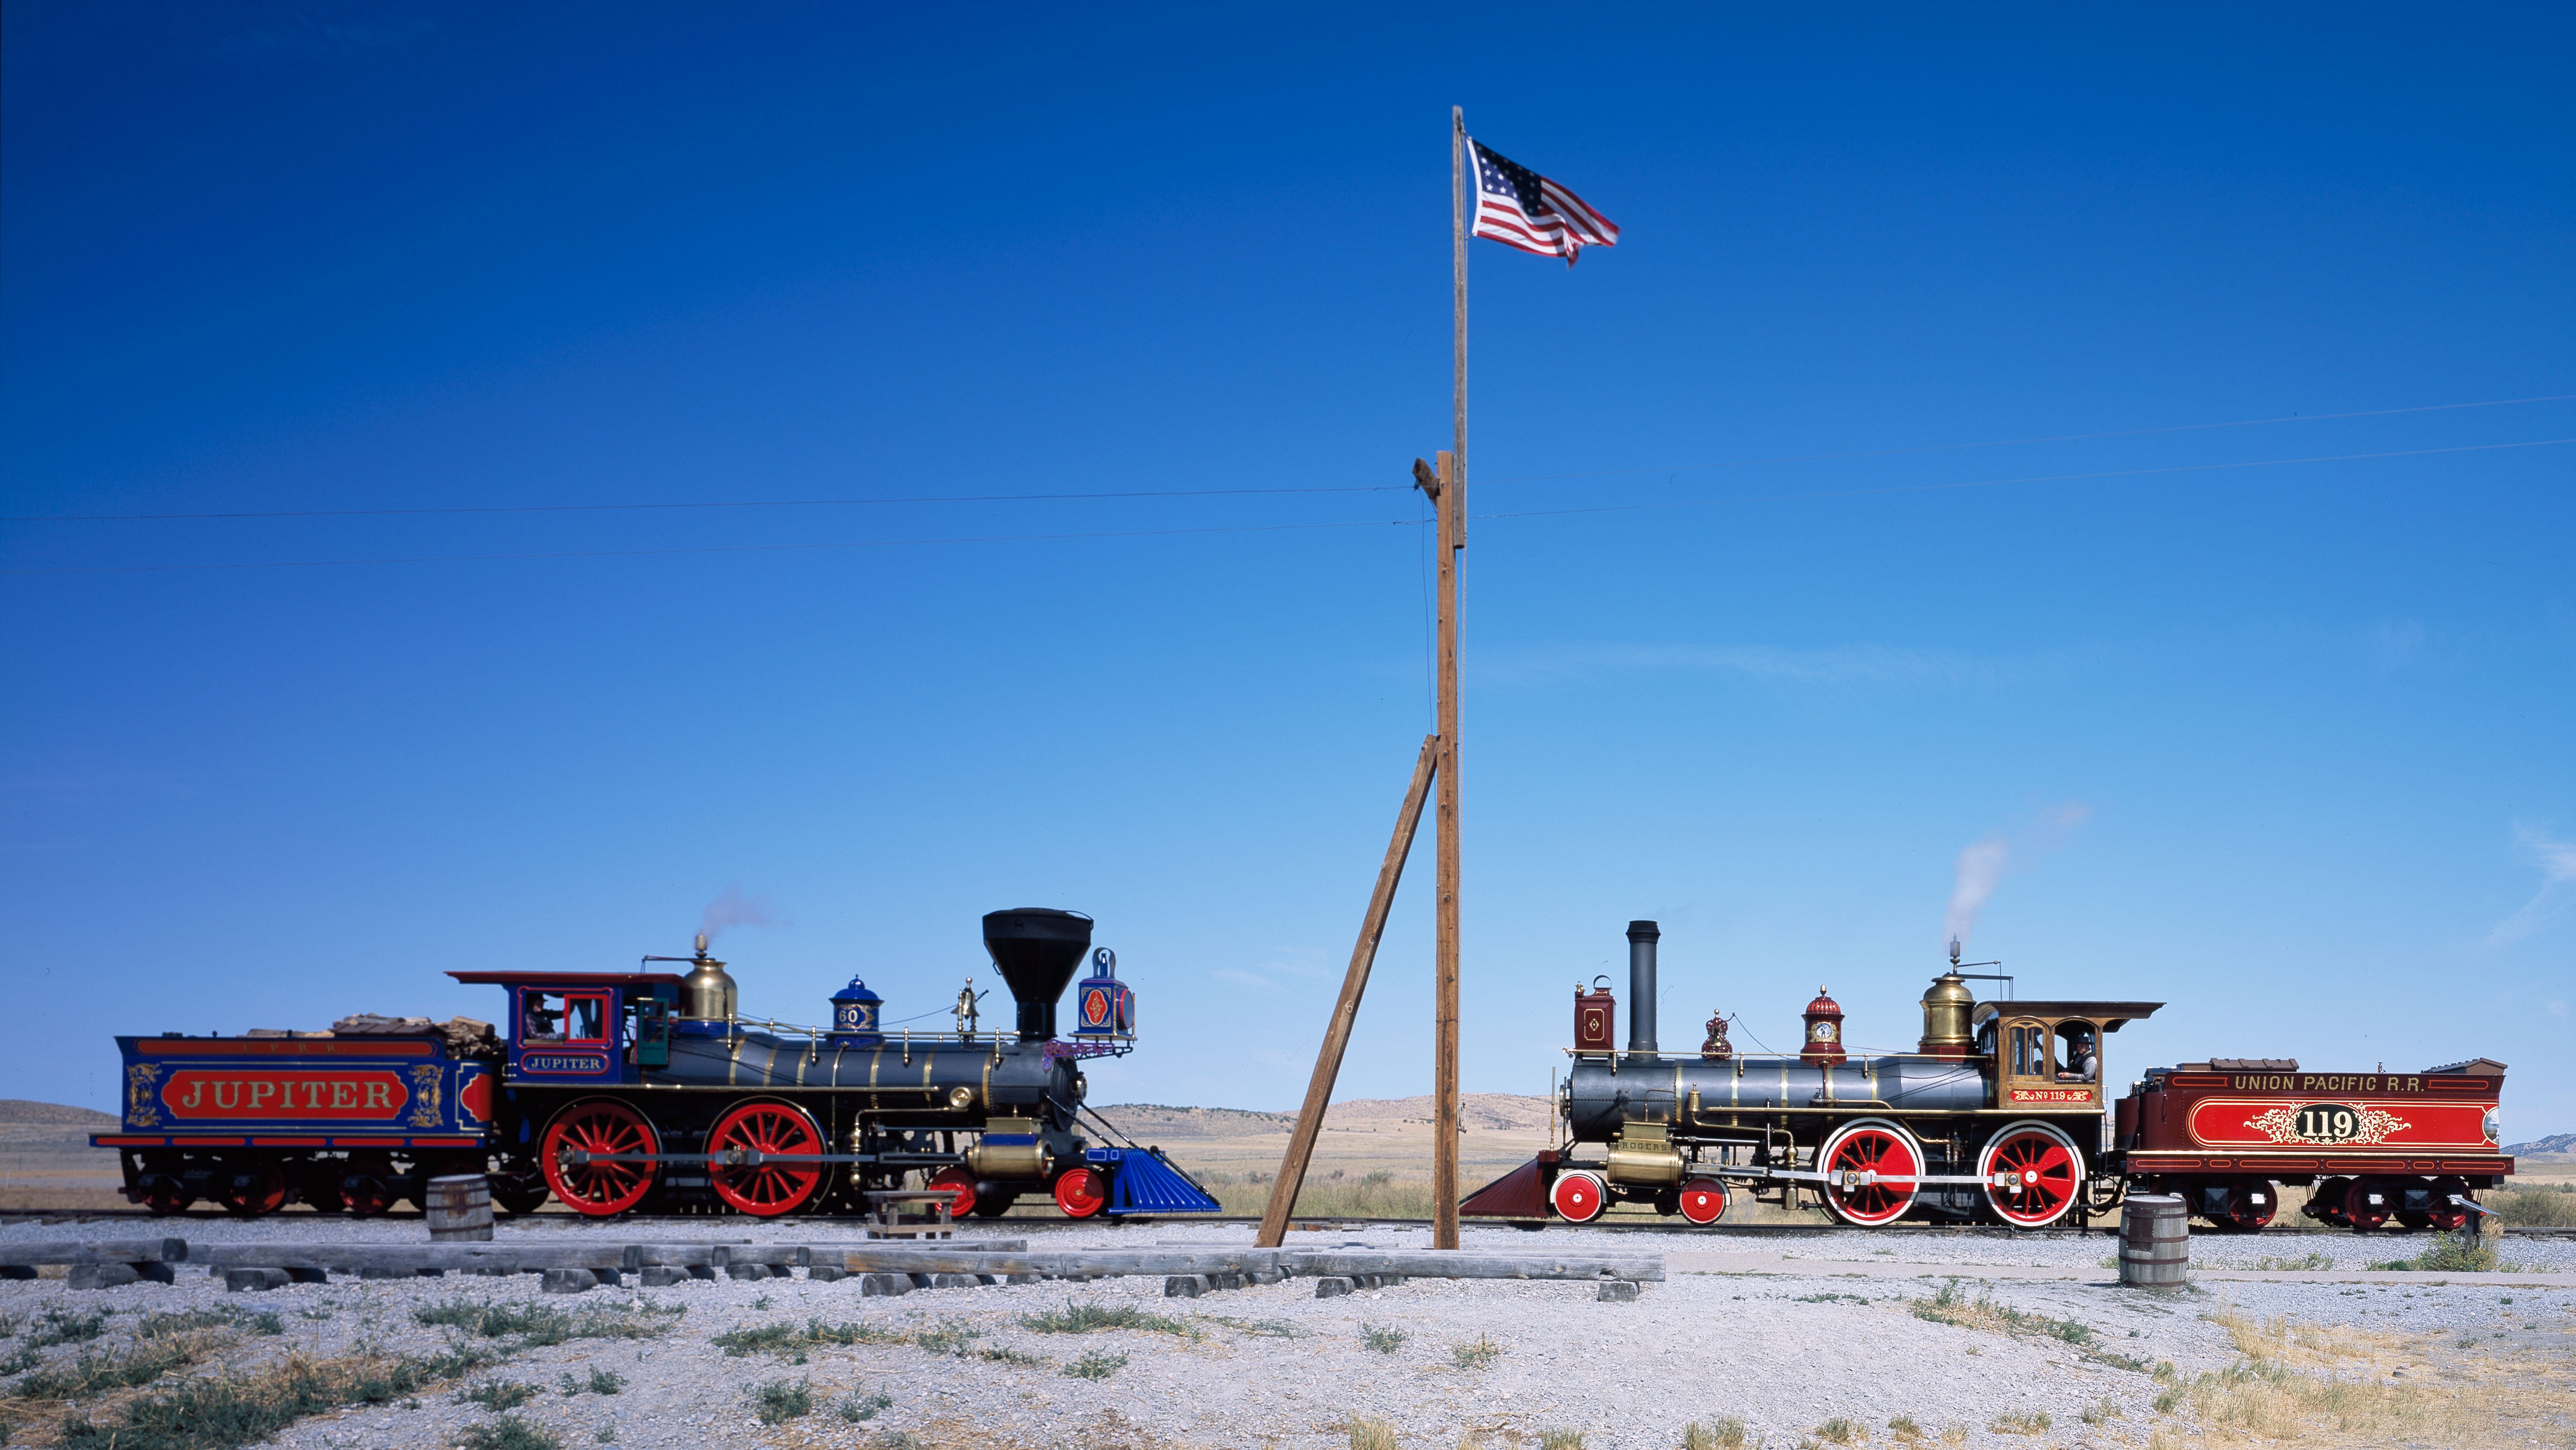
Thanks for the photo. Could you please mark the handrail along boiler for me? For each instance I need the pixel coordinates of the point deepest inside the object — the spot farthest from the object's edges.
(648, 1090)
(2001, 1114)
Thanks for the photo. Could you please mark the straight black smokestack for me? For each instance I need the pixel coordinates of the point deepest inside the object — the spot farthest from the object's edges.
(1642, 936)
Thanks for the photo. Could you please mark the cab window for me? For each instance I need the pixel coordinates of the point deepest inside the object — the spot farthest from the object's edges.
(564, 1017)
(2079, 1049)
(2027, 1044)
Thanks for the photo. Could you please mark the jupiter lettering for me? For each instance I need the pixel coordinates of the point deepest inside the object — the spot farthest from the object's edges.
(199, 1093)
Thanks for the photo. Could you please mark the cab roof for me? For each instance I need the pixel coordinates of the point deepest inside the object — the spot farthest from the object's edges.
(2110, 1014)
(568, 979)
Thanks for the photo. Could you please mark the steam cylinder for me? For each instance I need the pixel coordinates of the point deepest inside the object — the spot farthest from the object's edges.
(1642, 936)
(1600, 1101)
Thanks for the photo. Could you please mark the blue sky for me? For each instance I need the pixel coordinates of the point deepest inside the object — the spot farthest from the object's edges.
(1752, 645)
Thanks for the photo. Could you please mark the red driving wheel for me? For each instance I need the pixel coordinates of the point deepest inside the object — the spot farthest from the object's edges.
(959, 1185)
(1703, 1200)
(765, 1190)
(599, 1125)
(1871, 1168)
(2033, 1173)
(1578, 1196)
(1080, 1192)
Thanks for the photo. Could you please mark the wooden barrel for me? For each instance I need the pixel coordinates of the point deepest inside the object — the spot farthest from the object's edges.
(2155, 1242)
(460, 1208)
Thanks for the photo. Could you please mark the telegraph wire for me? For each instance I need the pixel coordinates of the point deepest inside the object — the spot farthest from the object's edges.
(2176, 468)
(2016, 442)
(1621, 508)
(785, 503)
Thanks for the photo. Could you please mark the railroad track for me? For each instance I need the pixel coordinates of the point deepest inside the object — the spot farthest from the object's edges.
(1716, 1231)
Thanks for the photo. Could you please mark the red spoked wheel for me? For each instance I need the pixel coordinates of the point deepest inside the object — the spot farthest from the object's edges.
(250, 1189)
(2366, 1204)
(1871, 1168)
(959, 1185)
(1703, 1200)
(765, 1190)
(603, 1126)
(165, 1194)
(2033, 1174)
(2444, 1214)
(2251, 1202)
(1081, 1192)
(1578, 1196)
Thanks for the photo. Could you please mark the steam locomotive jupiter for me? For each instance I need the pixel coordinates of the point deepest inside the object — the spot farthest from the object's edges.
(2001, 1114)
(621, 1091)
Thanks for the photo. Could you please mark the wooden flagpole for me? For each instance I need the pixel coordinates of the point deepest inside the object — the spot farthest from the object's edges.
(1337, 1031)
(1453, 538)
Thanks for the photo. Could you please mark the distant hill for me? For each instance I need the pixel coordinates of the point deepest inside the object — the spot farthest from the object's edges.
(2552, 1146)
(18, 1111)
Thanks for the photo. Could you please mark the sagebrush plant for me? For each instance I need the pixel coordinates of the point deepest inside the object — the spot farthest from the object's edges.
(1383, 1340)
(509, 1432)
(856, 1407)
(498, 1394)
(1096, 1366)
(778, 1401)
(1477, 1353)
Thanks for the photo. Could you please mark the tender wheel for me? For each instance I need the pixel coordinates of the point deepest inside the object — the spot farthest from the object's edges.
(322, 1187)
(2326, 1199)
(165, 1194)
(2446, 1215)
(2033, 1174)
(2366, 1204)
(1703, 1201)
(1578, 1196)
(2251, 1203)
(248, 1190)
(598, 1125)
(1081, 1192)
(369, 1185)
(765, 1190)
(1871, 1167)
(959, 1185)
(519, 1189)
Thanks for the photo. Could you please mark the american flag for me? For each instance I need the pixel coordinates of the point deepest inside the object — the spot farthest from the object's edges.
(1520, 208)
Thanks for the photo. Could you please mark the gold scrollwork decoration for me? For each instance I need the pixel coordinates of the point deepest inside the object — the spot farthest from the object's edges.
(143, 1095)
(425, 1095)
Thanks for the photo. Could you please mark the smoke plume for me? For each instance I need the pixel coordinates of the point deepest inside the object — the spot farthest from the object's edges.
(1980, 868)
(1980, 871)
(732, 908)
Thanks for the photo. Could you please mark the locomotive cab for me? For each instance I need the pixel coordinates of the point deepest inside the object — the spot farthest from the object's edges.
(2047, 1056)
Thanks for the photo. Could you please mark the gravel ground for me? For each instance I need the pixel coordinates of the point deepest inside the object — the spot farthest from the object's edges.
(1826, 1334)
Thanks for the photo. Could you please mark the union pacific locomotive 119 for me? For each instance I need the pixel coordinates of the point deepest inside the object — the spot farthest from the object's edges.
(2001, 1114)
(621, 1091)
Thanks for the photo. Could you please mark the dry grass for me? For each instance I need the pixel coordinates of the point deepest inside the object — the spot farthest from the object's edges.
(1725, 1433)
(2535, 1205)
(2333, 1385)
(1371, 1433)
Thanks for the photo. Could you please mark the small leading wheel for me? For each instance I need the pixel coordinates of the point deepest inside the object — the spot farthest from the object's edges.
(248, 1190)
(2365, 1204)
(959, 1185)
(992, 1201)
(764, 1189)
(593, 1187)
(1872, 1168)
(2033, 1173)
(1578, 1196)
(1703, 1201)
(1081, 1192)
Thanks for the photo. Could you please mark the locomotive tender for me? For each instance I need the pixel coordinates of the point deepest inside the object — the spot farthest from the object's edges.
(2001, 1114)
(620, 1091)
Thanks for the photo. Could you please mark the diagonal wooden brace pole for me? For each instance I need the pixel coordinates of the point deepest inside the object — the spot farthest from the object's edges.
(1337, 1032)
